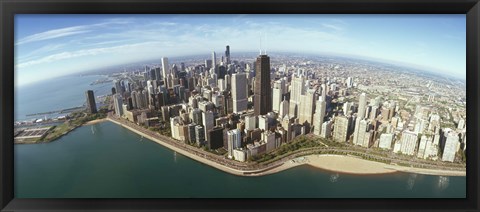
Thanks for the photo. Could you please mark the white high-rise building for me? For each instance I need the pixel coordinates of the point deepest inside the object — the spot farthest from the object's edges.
(408, 142)
(297, 90)
(150, 87)
(362, 103)
(307, 107)
(219, 101)
(284, 106)
(422, 147)
(165, 68)
(364, 134)
(324, 92)
(326, 129)
(346, 108)
(214, 62)
(386, 141)
(239, 92)
(319, 116)
(221, 85)
(269, 138)
(340, 131)
(277, 94)
(118, 102)
(263, 122)
(208, 123)
(360, 116)
(349, 82)
(250, 122)
(450, 148)
(234, 139)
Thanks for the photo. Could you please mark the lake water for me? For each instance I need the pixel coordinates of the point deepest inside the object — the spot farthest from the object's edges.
(107, 161)
(113, 162)
(55, 94)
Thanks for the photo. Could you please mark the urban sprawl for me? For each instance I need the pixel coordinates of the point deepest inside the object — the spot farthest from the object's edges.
(245, 109)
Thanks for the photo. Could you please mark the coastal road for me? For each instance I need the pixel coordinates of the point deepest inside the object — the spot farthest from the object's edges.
(253, 167)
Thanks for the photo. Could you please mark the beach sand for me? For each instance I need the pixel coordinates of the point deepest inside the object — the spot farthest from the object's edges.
(337, 163)
(95, 121)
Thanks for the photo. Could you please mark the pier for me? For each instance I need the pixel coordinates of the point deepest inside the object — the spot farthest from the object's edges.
(67, 110)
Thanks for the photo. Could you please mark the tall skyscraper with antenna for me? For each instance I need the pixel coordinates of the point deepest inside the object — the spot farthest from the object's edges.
(262, 93)
(227, 54)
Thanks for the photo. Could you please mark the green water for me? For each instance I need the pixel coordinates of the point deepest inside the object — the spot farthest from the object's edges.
(116, 163)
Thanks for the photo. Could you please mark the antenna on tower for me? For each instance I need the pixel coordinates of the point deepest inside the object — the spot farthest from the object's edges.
(260, 44)
(265, 44)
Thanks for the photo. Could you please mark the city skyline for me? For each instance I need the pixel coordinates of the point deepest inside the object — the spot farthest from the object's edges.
(80, 42)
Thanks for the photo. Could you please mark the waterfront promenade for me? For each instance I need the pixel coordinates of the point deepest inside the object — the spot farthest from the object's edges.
(342, 163)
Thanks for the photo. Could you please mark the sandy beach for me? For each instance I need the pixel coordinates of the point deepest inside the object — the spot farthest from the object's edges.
(95, 121)
(335, 163)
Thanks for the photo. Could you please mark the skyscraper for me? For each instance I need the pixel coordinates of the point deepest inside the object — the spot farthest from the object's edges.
(360, 116)
(227, 54)
(326, 129)
(277, 93)
(284, 106)
(361, 106)
(364, 135)
(262, 92)
(408, 142)
(298, 89)
(340, 131)
(214, 61)
(118, 102)
(307, 107)
(239, 92)
(208, 120)
(118, 87)
(319, 116)
(157, 74)
(165, 69)
(234, 141)
(151, 72)
(91, 106)
(450, 147)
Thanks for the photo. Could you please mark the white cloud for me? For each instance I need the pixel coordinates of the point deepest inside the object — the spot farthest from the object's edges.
(68, 31)
(83, 52)
(56, 33)
(332, 26)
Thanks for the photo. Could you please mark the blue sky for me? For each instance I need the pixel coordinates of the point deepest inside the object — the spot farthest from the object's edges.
(48, 46)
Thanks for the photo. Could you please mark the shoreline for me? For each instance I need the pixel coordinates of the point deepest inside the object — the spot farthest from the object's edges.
(96, 121)
(183, 152)
(329, 162)
(92, 122)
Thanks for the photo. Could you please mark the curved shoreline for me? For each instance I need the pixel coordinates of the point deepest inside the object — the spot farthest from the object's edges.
(96, 121)
(334, 163)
